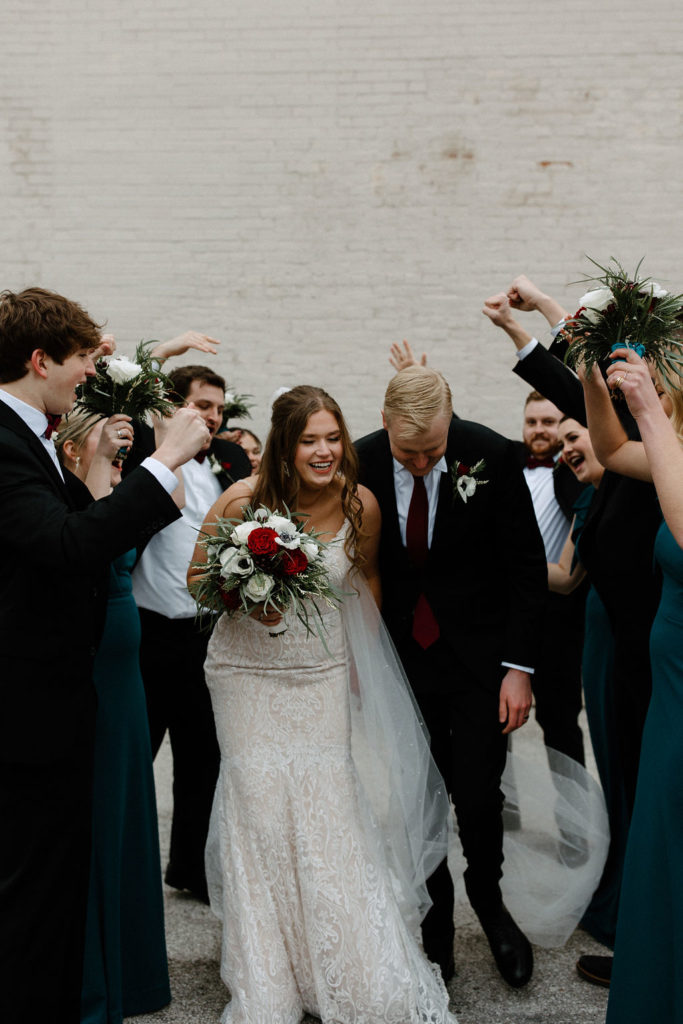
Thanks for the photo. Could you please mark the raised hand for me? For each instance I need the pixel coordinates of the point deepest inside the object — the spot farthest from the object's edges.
(183, 343)
(523, 294)
(633, 377)
(117, 433)
(402, 357)
(497, 309)
(185, 433)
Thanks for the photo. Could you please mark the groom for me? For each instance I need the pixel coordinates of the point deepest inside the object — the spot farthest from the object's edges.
(464, 580)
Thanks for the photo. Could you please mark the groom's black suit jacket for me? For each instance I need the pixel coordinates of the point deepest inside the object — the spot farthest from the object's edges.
(485, 576)
(56, 546)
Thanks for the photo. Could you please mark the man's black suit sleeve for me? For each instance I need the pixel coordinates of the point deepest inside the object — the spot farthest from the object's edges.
(43, 530)
(555, 381)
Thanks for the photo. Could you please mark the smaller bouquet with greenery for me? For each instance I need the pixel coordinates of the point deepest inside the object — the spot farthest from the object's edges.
(624, 312)
(265, 560)
(131, 386)
(236, 407)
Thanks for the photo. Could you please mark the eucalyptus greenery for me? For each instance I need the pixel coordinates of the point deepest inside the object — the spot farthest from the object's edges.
(118, 388)
(631, 311)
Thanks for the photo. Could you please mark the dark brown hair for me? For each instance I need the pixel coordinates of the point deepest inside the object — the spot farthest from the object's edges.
(183, 377)
(39, 319)
(277, 483)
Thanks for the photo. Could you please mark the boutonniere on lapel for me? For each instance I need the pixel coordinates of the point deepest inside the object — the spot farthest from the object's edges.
(217, 466)
(466, 479)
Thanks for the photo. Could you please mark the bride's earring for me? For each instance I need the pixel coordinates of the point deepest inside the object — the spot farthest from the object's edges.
(285, 468)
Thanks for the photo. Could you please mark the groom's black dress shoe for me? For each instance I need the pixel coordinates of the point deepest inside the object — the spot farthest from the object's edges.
(510, 947)
(196, 887)
(595, 969)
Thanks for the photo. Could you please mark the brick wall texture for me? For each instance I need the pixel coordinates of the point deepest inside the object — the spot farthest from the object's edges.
(310, 180)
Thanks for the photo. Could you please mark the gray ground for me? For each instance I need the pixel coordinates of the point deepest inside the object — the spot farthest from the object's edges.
(555, 995)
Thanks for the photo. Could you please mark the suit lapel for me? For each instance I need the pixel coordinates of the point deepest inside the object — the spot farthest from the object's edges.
(10, 419)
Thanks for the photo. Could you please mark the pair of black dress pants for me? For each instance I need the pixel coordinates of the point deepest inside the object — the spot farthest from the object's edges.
(172, 656)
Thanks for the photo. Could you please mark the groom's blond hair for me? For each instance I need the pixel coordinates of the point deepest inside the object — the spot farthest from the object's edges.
(417, 395)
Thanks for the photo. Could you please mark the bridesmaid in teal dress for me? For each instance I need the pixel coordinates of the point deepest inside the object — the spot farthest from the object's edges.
(647, 977)
(600, 918)
(125, 968)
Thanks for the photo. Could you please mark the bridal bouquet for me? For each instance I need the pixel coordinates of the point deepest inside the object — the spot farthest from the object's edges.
(265, 559)
(627, 313)
(130, 386)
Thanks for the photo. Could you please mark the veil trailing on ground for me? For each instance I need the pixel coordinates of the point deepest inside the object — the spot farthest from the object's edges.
(410, 814)
(556, 837)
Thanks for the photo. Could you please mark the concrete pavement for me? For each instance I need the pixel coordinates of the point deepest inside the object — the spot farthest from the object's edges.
(555, 995)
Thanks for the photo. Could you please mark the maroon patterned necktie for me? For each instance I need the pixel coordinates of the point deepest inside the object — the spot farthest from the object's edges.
(53, 422)
(425, 627)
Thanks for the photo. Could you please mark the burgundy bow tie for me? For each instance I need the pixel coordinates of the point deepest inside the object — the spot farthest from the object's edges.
(200, 456)
(533, 463)
(52, 424)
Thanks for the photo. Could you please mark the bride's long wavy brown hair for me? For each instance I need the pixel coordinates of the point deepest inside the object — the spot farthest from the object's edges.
(277, 483)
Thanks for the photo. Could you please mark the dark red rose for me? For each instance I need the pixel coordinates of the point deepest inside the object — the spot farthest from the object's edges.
(231, 598)
(462, 469)
(293, 562)
(226, 465)
(263, 541)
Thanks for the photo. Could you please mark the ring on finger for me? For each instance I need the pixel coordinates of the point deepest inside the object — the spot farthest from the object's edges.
(618, 381)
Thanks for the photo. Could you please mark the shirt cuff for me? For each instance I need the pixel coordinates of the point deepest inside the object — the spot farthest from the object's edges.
(160, 472)
(522, 668)
(554, 331)
(522, 353)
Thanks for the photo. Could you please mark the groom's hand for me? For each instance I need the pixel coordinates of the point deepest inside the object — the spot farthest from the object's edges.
(515, 699)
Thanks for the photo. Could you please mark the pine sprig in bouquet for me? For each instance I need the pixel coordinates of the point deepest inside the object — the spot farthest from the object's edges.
(236, 407)
(121, 385)
(267, 559)
(630, 313)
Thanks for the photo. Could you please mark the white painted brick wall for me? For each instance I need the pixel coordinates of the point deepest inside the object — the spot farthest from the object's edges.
(310, 181)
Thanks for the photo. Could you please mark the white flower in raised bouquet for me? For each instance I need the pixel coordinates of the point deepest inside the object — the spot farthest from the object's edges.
(594, 303)
(121, 369)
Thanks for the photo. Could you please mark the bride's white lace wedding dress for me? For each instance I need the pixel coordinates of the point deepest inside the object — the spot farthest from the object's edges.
(314, 918)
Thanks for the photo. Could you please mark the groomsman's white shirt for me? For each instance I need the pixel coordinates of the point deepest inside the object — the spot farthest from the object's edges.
(160, 577)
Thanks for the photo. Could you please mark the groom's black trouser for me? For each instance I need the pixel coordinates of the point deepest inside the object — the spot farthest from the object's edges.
(469, 750)
(45, 832)
(172, 656)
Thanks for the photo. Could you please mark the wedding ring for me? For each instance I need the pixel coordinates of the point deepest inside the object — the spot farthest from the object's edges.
(618, 381)
(119, 434)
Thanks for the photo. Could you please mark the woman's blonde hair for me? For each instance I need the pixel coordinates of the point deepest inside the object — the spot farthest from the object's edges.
(416, 396)
(75, 427)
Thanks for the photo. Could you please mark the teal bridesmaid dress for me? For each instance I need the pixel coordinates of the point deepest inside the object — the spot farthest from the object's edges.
(647, 976)
(597, 668)
(125, 969)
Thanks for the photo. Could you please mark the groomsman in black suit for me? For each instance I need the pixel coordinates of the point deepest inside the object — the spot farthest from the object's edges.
(174, 638)
(464, 580)
(56, 545)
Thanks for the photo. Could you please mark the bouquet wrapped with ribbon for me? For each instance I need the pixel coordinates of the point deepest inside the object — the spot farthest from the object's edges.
(131, 386)
(627, 312)
(265, 560)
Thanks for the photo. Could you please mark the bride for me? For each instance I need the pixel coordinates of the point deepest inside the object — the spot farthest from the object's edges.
(329, 814)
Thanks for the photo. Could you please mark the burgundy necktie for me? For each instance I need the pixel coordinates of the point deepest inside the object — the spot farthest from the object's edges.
(200, 456)
(53, 422)
(425, 627)
(533, 463)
